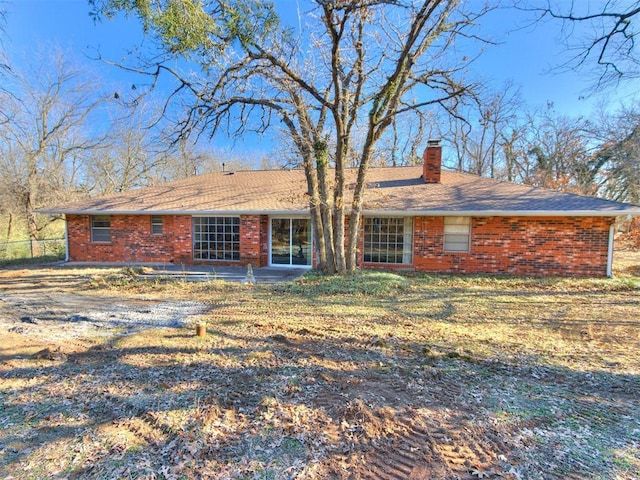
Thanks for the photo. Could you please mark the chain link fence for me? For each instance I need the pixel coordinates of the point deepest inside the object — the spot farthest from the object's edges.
(47, 249)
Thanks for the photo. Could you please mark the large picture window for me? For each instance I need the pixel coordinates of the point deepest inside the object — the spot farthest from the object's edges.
(457, 234)
(388, 239)
(101, 228)
(216, 238)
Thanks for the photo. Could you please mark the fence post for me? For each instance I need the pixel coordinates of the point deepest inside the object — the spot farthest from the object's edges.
(31, 249)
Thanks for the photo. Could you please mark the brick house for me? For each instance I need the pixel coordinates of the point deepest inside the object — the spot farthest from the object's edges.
(415, 218)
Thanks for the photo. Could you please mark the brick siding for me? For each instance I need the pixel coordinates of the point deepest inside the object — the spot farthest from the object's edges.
(531, 246)
(132, 240)
(564, 246)
(254, 240)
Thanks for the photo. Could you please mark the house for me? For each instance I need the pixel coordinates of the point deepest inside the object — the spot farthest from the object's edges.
(415, 218)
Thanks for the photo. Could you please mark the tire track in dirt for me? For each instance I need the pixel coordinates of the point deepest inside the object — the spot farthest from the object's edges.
(427, 448)
(382, 436)
(412, 454)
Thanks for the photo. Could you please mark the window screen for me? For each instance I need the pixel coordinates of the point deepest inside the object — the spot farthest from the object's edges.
(457, 234)
(156, 224)
(101, 228)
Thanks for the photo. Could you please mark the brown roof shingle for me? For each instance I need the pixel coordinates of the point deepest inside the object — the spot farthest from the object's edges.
(394, 190)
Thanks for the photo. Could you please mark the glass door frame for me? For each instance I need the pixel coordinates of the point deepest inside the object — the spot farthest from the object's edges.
(291, 244)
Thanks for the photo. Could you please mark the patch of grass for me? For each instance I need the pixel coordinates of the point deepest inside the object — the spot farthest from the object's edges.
(627, 462)
(327, 377)
(41, 260)
(366, 283)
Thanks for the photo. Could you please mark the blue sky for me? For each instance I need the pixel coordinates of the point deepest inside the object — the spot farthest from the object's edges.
(525, 55)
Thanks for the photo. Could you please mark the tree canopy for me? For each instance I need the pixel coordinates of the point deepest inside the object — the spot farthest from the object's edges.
(334, 85)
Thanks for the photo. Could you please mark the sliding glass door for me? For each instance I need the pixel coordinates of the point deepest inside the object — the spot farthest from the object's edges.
(291, 241)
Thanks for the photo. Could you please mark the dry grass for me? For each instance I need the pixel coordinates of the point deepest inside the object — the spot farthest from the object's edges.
(377, 376)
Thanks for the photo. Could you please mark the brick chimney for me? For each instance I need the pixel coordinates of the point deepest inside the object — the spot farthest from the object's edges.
(432, 162)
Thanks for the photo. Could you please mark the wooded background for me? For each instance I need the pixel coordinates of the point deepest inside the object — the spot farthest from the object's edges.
(64, 135)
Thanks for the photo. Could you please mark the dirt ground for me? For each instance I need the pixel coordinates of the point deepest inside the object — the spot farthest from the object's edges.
(103, 383)
(47, 308)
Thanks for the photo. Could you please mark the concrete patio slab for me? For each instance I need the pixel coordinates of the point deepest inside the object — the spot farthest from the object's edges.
(207, 272)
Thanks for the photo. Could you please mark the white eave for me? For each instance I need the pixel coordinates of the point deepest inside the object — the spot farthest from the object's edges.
(505, 213)
(194, 213)
(383, 213)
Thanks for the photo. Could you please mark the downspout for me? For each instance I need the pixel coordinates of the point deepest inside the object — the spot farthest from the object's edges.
(612, 229)
(610, 250)
(66, 240)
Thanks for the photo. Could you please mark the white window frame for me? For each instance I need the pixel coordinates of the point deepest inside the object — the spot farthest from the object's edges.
(371, 239)
(157, 224)
(291, 264)
(457, 234)
(222, 254)
(100, 233)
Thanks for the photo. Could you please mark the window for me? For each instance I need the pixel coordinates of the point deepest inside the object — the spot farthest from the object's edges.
(457, 234)
(216, 238)
(101, 228)
(388, 239)
(156, 224)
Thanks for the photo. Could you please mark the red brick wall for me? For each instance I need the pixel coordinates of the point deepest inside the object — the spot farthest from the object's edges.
(131, 240)
(499, 245)
(558, 246)
(254, 240)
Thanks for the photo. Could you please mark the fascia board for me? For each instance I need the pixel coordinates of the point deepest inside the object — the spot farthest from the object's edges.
(421, 213)
(198, 213)
(504, 213)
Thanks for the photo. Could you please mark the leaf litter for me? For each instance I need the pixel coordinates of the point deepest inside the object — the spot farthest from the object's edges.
(441, 378)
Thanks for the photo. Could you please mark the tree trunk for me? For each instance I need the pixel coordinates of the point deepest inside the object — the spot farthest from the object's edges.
(356, 217)
(33, 233)
(9, 226)
(32, 224)
(326, 212)
(338, 208)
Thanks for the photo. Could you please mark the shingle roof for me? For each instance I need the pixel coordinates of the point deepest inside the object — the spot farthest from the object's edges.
(389, 190)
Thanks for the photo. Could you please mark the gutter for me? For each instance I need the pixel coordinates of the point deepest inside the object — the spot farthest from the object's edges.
(195, 213)
(66, 241)
(612, 233)
(610, 250)
(400, 213)
(505, 213)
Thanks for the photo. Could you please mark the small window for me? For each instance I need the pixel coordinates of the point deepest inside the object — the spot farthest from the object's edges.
(457, 234)
(101, 228)
(156, 224)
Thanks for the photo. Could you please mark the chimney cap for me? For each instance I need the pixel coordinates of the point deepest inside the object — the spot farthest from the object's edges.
(433, 142)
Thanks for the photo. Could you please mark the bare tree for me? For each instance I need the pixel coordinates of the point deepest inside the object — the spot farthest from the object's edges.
(403, 144)
(4, 64)
(5, 68)
(477, 133)
(133, 154)
(618, 157)
(355, 66)
(611, 43)
(187, 159)
(46, 136)
(560, 150)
